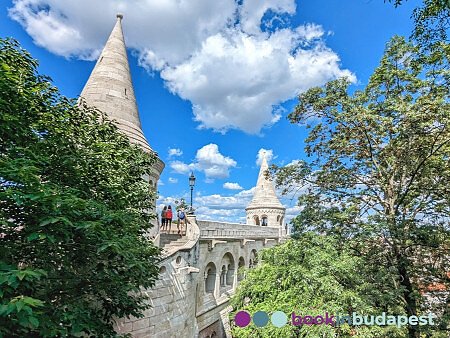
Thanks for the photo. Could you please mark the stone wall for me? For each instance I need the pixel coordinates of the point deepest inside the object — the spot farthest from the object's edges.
(173, 298)
(191, 299)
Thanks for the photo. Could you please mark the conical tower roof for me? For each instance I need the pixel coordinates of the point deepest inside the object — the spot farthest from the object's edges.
(265, 195)
(110, 89)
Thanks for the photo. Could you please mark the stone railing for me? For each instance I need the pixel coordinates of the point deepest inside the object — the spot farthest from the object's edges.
(212, 229)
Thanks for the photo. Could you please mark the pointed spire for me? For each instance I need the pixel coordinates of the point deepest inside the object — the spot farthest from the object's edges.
(110, 88)
(265, 195)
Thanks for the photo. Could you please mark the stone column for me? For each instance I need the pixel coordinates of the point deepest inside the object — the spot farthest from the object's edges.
(217, 286)
(235, 279)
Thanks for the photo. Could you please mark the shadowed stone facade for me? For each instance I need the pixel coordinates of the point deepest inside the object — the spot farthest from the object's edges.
(198, 272)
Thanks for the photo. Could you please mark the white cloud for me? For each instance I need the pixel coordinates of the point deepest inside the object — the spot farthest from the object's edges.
(232, 186)
(214, 207)
(292, 212)
(201, 48)
(180, 167)
(212, 162)
(252, 11)
(223, 208)
(160, 183)
(208, 160)
(275, 71)
(173, 180)
(175, 152)
(267, 152)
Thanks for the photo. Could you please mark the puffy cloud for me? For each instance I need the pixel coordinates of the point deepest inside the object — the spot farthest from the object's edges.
(208, 160)
(166, 201)
(292, 212)
(173, 180)
(175, 152)
(165, 31)
(232, 186)
(212, 162)
(212, 53)
(267, 152)
(216, 201)
(215, 207)
(276, 69)
(252, 11)
(180, 167)
(223, 208)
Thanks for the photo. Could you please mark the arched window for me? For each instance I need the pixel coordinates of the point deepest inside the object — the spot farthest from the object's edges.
(253, 258)
(227, 273)
(256, 219)
(210, 280)
(230, 273)
(264, 221)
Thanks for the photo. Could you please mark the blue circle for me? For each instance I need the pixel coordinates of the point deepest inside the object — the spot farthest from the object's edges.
(278, 319)
(260, 319)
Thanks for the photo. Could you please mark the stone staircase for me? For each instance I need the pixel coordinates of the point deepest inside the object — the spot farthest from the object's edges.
(171, 242)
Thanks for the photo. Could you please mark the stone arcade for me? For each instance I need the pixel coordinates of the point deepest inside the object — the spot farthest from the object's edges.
(198, 271)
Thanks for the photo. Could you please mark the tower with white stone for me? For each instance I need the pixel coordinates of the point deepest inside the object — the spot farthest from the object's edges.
(110, 89)
(265, 209)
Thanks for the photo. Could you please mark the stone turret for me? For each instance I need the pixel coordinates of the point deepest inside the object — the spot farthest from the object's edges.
(110, 89)
(265, 209)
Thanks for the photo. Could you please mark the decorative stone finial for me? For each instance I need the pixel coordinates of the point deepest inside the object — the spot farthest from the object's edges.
(119, 16)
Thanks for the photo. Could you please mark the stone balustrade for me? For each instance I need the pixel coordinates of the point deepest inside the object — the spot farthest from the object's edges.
(212, 229)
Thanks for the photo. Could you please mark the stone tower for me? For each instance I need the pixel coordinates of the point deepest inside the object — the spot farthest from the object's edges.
(110, 89)
(265, 209)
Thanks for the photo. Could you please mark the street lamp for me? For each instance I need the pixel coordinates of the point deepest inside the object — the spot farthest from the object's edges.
(191, 184)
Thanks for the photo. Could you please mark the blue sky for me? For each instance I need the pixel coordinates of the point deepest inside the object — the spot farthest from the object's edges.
(214, 80)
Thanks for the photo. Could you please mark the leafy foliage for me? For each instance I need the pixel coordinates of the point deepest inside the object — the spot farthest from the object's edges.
(379, 173)
(73, 211)
(312, 275)
(432, 21)
(181, 204)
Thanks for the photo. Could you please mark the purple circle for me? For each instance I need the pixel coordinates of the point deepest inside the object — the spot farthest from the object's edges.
(242, 319)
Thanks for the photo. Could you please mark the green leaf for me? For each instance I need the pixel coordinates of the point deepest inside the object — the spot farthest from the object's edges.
(32, 237)
(34, 321)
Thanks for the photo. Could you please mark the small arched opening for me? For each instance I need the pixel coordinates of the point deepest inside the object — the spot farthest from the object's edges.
(254, 257)
(256, 220)
(264, 220)
(227, 272)
(210, 278)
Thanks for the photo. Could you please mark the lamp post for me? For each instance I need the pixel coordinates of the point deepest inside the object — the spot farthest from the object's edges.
(191, 184)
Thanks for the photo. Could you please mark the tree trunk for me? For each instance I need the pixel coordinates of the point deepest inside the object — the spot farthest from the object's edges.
(411, 307)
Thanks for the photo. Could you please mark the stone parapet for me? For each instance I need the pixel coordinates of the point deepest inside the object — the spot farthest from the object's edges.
(212, 229)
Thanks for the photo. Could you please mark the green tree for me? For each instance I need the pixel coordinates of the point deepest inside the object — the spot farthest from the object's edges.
(73, 211)
(310, 276)
(379, 172)
(431, 21)
(181, 204)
